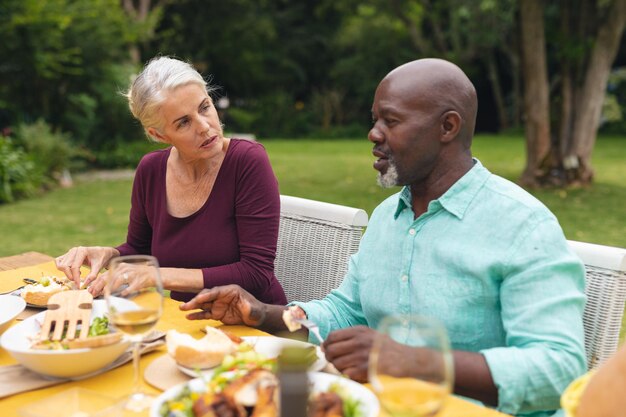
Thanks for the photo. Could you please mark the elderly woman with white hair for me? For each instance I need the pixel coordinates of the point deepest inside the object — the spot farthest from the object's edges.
(207, 207)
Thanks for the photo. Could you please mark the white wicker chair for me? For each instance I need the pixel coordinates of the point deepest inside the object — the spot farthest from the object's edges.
(315, 241)
(606, 294)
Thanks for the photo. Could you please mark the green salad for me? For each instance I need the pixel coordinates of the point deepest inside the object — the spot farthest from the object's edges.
(234, 366)
(98, 327)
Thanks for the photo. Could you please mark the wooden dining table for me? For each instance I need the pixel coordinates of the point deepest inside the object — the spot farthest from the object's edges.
(117, 382)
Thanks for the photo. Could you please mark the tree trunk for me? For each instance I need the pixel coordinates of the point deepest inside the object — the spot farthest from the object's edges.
(415, 34)
(139, 13)
(589, 103)
(568, 90)
(536, 98)
(494, 80)
(513, 55)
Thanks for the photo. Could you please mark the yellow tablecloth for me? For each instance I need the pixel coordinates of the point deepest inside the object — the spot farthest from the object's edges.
(118, 382)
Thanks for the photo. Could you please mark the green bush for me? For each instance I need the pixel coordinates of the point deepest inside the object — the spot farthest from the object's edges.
(614, 108)
(52, 152)
(125, 155)
(18, 175)
(273, 115)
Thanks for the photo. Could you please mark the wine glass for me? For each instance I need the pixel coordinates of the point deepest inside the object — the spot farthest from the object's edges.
(410, 365)
(134, 298)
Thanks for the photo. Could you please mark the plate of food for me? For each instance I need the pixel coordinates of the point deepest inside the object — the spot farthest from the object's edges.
(256, 392)
(37, 292)
(196, 357)
(66, 358)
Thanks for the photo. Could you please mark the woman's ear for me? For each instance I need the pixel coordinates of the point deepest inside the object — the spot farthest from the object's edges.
(450, 125)
(156, 135)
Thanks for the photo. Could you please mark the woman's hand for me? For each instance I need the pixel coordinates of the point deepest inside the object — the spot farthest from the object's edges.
(128, 278)
(96, 257)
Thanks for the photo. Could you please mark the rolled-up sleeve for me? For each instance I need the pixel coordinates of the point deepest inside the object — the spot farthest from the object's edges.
(339, 309)
(542, 299)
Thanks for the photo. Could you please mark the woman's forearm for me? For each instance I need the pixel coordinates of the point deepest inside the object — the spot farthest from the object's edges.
(182, 279)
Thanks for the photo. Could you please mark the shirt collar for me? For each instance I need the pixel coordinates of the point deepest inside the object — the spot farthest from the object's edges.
(458, 197)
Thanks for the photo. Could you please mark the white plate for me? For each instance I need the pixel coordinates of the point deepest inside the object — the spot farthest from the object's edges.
(319, 383)
(270, 346)
(18, 294)
(71, 363)
(10, 307)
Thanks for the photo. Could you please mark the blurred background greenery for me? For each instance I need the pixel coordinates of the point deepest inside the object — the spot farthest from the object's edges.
(300, 76)
(95, 211)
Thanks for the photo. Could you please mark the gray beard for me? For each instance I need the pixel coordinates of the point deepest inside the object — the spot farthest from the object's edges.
(390, 178)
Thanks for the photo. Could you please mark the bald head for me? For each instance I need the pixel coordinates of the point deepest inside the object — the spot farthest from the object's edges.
(441, 84)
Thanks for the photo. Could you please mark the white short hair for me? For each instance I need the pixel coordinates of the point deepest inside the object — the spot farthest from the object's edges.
(147, 91)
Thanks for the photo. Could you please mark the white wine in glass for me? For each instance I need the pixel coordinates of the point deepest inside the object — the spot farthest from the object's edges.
(134, 296)
(410, 366)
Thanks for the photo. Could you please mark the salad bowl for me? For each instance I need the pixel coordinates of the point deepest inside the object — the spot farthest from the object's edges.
(64, 363)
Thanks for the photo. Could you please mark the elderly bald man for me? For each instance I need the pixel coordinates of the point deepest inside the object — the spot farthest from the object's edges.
(457, 243)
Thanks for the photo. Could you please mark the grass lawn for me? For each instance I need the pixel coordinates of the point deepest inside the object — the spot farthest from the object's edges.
(338, 171)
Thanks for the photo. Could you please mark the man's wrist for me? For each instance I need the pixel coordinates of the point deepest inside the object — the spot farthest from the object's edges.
(271, 318)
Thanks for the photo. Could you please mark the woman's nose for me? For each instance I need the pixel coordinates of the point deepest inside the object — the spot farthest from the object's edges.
(203, 125)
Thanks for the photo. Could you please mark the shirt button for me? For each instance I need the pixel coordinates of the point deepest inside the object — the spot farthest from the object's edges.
(412, 232)
(405, 323)
(405, 278)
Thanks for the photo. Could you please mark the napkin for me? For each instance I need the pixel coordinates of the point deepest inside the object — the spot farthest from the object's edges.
(15, 379)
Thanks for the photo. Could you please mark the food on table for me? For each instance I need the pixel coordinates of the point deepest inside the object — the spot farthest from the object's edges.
(326, 404)
(290, 316)
(38, 294)
(256, 389)
(245, 385)
(99, 335)
(207, 352)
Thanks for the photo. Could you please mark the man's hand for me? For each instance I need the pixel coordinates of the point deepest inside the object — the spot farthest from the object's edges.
(229, 304)
(349, 350)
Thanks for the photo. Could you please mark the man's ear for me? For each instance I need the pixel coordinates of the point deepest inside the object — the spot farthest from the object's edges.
(450, 125)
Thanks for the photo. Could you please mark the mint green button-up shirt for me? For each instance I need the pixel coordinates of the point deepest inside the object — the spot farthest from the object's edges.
(491, 262)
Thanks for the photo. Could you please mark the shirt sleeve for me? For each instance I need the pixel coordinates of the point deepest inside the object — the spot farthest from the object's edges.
(139, 234)
(341, 308)
(542, 300)
(257, 215)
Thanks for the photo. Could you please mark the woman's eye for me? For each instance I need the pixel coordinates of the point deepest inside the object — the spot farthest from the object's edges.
(182, 123)
(205, 108)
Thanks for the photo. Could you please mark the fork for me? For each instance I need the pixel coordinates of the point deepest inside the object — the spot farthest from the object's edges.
(312, 326)
(13, 292)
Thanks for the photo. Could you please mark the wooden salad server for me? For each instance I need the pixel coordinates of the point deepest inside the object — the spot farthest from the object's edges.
(67, 308)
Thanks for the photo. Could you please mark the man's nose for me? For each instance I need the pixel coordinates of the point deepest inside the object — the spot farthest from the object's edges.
(375, 135)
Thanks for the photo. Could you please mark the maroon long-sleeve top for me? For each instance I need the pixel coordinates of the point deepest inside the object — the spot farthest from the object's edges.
(232, 237)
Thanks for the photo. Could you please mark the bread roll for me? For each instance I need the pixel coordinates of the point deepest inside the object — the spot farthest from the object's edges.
(203, 353)
(290, 316)
(39, 294)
